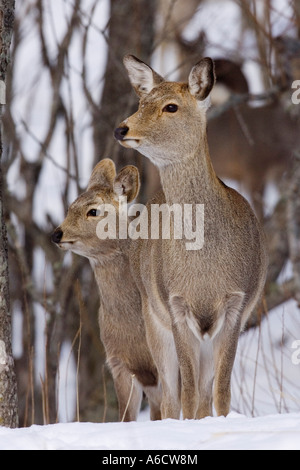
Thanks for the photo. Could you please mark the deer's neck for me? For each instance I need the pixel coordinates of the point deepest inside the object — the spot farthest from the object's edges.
(192, 178)
(108, 270)
(113, 279)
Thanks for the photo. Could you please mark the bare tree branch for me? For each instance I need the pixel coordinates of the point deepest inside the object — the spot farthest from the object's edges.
(294, 223)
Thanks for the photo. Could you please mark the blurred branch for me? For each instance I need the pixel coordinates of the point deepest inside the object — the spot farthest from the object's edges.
(260, 23)
(57, 69)
(294, 222)
(281, 293)
(92, 103)
(296, 5)
(277, 241)
(276, 296)
(46, 153)
(89, 17)
(237, 99)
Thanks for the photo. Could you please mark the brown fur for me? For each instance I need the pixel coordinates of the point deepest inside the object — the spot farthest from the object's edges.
(195, 303)
(253, 146)
(120, 315)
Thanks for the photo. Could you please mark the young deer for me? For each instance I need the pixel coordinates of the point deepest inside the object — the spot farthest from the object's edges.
(120, 315)
(198, 301)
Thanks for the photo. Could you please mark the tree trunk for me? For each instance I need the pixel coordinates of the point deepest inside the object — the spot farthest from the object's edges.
(294, 224)
(8, 388)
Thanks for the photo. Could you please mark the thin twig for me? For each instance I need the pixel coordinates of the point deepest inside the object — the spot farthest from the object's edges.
(77, 376)
(45, 152)
(67, 368)
(129, 399)
(81, 308)
(104, 394)
(255, 372)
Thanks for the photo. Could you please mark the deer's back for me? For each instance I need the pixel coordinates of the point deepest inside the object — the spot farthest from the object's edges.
(247, 143)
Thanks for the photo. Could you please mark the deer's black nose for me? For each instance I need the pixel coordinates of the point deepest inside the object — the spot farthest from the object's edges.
(120, 132)
(57, 235)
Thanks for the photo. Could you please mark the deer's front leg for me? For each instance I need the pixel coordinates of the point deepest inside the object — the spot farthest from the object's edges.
(225, 346)
(188, 352)
(162, 347)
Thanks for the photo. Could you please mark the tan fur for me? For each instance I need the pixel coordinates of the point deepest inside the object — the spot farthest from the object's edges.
(120, 315)
(195, 303)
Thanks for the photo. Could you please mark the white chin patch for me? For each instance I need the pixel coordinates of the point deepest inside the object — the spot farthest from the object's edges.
(65, 246)
(131, 143)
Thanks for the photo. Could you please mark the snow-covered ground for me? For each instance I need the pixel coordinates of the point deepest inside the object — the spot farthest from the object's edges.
(236, 432)
(265, 385)
(266, 374)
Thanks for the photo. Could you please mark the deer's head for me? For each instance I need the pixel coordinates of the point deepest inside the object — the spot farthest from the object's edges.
(171, 118)
(78, 232)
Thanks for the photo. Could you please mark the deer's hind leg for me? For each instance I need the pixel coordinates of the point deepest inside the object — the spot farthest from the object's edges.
(195, 355)
(154, 395)
(128, 390)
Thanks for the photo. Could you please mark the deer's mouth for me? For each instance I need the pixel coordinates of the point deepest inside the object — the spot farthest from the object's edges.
(66, 245)
(130, 143)
(122, 135)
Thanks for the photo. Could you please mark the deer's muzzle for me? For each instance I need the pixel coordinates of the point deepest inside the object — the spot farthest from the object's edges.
(120, 132)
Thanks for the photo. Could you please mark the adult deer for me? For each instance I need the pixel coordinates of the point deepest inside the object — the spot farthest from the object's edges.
(195, 302)
(253, 146)
(120, 315)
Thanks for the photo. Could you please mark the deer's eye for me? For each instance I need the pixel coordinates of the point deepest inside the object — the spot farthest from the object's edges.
(170, 108)
(92, 213)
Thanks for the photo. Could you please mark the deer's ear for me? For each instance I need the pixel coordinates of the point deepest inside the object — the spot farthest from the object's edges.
(103, 174)
(127, 183)
(202, 79)
(142, 77)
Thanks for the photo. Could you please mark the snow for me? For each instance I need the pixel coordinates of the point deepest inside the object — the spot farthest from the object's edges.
(266, 373)
(265, 384)
(265, 391)
(236, 432)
